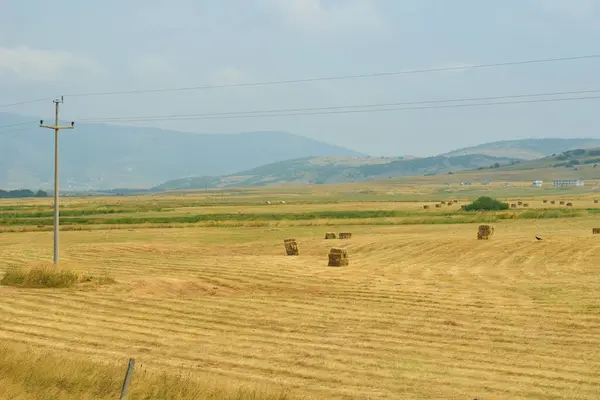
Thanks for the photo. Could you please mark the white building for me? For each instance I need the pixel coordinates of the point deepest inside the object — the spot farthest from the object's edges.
(537, 183)
(568, 182)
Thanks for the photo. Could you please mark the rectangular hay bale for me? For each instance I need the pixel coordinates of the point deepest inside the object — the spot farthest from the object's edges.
(345, 235)
(338, 257)
(291, 247)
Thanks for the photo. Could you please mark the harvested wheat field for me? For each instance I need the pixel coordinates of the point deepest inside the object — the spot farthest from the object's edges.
(422, 311)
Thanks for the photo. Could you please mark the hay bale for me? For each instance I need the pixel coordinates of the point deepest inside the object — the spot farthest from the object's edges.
(525, 205)
(455, 201)
(552, 202)
(345, 235)
(484, 232)
(338, 257)
(443, 202)
(562, 203)
(545, 201)
(569, 204)
(291, 247)
(596, 231)
(426, 207)
(282, 202)
(450, 204)
(438, 206)
(267, 202)
(513, 205)
(330, 235)
(520, 203)
(596, 201)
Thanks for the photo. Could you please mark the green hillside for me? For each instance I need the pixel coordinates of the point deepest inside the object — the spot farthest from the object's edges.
(572, 164)
(329, 170)
(527, 149)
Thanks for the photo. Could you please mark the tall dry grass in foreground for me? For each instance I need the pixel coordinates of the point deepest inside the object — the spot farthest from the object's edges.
(28, 375)
(44, 275)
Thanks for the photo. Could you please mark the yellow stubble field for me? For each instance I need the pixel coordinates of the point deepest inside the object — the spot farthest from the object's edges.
(422, 311)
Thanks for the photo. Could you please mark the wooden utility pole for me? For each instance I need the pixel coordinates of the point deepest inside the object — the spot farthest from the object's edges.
(56, 128)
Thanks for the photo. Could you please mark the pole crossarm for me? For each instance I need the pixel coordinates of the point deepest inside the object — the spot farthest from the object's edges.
(57, 127)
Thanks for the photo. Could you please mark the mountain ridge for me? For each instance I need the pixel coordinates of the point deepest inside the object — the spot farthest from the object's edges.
(527, 149)
(97, 156)
(320, 171)
(102, 157)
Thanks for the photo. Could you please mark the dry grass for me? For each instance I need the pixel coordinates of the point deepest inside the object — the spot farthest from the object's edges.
(32, 375)
(421, 312)
(45, 275)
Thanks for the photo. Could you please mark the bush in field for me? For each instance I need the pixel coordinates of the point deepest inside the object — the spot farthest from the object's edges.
(47, 277)
(485, 203)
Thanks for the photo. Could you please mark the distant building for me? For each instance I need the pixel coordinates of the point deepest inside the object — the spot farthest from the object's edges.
(568, 182)
(537, 183)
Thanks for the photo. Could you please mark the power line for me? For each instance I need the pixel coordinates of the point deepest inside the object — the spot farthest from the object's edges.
(17, 124)
(305, 80)
(15, 131)
(341, 77)
(290, 110)
(26, 102)
(329, 112)
(379, 109)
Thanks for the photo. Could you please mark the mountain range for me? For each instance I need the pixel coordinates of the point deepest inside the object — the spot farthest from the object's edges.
(97, 156)
(100, 157)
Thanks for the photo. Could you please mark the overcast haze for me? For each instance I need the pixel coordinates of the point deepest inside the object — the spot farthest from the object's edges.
(68, 46)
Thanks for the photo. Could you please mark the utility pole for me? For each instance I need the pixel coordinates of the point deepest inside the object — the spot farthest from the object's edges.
(56, 128)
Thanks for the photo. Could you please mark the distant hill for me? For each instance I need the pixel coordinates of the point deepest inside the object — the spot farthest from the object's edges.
(327, 170)
(574, 160)
(571, 164)
(96, 156)
(527, 149)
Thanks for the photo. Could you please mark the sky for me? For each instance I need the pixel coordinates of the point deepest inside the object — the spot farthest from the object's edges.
(71, 47)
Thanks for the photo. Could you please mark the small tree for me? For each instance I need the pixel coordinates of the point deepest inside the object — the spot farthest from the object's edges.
(485, 203)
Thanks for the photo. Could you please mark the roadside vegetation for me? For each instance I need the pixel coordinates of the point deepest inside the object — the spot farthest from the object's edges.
(26, 374)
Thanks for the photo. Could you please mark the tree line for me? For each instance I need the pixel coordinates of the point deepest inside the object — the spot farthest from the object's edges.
(11, 194)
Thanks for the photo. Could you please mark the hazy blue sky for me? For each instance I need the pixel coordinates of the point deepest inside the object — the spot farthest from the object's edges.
(58, 47)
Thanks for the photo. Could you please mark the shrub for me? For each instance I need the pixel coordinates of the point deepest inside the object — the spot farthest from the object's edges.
(485, 203)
